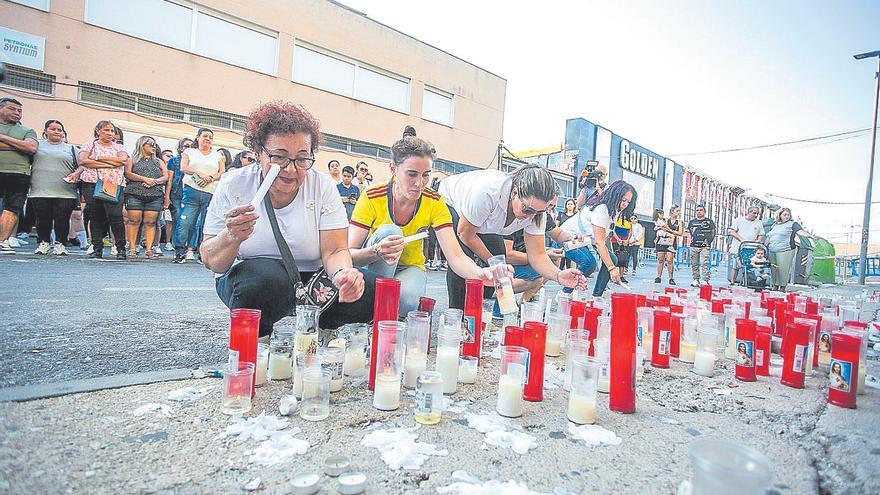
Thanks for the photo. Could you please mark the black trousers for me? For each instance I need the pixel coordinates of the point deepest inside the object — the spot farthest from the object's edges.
(262, 283)
(52, 213)
(455, 286)
(104, 217)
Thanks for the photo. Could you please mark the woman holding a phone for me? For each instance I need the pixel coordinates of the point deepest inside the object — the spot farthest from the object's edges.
(387, 215)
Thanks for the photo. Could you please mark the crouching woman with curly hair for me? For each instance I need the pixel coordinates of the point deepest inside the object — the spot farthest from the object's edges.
(240, 245)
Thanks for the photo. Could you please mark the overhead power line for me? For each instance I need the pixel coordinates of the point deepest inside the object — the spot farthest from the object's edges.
(842, 135)
(818, 202)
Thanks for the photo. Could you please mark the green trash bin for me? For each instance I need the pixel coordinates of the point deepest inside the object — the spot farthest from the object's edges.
(823, 261)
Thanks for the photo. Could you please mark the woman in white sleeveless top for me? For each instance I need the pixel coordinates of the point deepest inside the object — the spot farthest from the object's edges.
(202, 167)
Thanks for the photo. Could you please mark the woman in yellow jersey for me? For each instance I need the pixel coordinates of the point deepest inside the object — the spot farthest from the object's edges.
(387, 212)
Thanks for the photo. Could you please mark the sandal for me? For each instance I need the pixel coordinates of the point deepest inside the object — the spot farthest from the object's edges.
(150, 255)
(132, 255)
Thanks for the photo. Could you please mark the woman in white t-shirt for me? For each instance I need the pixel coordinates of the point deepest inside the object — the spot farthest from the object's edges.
(595, 222)
(488, 204)
(240, 245)
(202, 167)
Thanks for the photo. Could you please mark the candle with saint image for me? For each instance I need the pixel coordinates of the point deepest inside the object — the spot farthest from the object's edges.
(503, 285)
(622, 393)
(704, 357)
(745, 350)
(535, 340)
(796, 345)
(827, 327)
(389, 365)
(385, 308)
(473, 319)
(557, 326)
(582, 397)
(514, 373)
(418, 324)
(844, 367)
(244, 329)
(448, 343)
(660, 340)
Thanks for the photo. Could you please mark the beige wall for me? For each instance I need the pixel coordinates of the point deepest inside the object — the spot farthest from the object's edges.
(76, 51)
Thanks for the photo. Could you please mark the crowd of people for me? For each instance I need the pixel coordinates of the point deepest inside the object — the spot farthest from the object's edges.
(331, 235)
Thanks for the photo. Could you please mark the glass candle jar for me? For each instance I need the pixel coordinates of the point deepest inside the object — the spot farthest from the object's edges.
(844, 369)
(514, 373)
(860, 329)
(472, 340)
(262, 364)
(577, 348)
(532, 311)
(315, 405)
(281, 354)
(645, 326)
(796, 344)
(355, 363)
(429, 398)
(661, 338)
(448, 343)
(731, 313)
(416, 359)
(238, 383)
(582, 397)
(622, 391)
(704, 357)
(389, 365)
(763, 346)
(688, 347)
(557, 326)
(535, 339)
(811, 343)
(641, 356)
(467, 369)
(385, 308)
(827, 327)
(603, 352)
(334, 362)
(745, 350)
(503, 285)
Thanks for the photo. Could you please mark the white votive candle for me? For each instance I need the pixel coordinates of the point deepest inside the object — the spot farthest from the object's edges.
(354, 362)
(510, 400)
(553, 348)
(279, 366)
(414, 365)
(704, 363)
(386, 395)
(686, 352)
(581, 409)
(467, 370)
(447, 365)
(262, 368)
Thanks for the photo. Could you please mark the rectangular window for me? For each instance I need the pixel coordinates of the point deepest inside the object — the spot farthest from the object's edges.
(382, 90)
(29, 80)
(346, 77)
(321, 71)
(159, 21)
(37, 4)
(437, 106)
(238, 45)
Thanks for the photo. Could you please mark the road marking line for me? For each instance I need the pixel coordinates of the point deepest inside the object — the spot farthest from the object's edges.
(155, 289)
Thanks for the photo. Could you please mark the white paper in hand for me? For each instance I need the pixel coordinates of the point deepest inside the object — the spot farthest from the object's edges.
(274, 170)
(415, 237)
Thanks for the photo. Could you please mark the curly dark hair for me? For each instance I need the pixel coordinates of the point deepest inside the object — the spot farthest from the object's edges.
(279, 117)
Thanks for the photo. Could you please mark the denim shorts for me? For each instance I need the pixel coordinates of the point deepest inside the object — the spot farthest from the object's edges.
(143, 203)
(525, 272)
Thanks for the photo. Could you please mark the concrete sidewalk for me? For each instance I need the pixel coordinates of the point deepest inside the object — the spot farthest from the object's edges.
(94, 443)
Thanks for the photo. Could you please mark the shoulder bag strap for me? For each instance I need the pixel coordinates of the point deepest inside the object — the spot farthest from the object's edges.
(286, 256)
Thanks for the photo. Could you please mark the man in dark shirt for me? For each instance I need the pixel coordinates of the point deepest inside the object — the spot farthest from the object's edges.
(702, 232)
(348, 191)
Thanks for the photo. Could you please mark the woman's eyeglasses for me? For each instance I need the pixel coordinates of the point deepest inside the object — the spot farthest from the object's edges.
(298, 162)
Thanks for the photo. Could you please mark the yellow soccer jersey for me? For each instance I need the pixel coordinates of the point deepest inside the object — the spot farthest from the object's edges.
(374, 209)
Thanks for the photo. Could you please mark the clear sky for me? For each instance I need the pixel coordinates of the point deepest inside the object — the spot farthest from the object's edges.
(679, 77)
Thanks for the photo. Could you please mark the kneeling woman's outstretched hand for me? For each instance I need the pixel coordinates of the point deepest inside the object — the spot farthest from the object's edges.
(350, 282)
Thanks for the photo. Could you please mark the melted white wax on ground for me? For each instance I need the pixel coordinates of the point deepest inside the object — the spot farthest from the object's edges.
(593, 434)
(259, 428)
(400, 449)
(501, 432)
(469, 485)
(280, 448)
(163, 409)
(553, 376)
(455, 407)
(287, 405)
(189, 394)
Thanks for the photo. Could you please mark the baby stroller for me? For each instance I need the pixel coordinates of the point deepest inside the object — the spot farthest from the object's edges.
(746, 277)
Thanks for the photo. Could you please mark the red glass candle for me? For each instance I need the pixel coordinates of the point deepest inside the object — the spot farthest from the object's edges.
(718, 306)
(669, 290)
(622, 392)
(748, 308)
(812, 307)
(844, 369)
(244, 330)
(473, 318)
(745, 350)
(779, 309)
(790, 297)
(427, 304)
(676, 322)
(385, 308)
(818, 320)
(576, 310)
(763, 342)
(661, 340)
(795, 344)
(535, 340)
(706, 292)
(676, 309)
(664, 301)
(591, 324)
(641, 300)
(513, 336)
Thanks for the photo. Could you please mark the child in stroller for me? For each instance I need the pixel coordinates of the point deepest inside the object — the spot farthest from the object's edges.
(759, 265)
(756, 267)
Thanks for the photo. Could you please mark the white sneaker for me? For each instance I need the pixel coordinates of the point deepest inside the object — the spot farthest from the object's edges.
(91, 249)
(22, 239)
(695, 283)
(13, 242)
(59, 250)
(113, 250)
(169, 247)
(43, 248)
(157, 250)
(190, 256)
(5, 248)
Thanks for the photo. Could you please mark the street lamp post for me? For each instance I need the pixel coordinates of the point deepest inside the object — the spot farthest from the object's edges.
(863, 254)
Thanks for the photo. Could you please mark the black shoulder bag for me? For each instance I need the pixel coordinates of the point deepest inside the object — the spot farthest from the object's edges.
(319, 290)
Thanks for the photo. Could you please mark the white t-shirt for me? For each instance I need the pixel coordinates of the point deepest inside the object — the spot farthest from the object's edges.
(747, 230)
(204, 165)
(481, 197)
(317, 207)
(598, 217)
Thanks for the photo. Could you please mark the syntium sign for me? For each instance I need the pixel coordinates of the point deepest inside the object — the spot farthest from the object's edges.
(637, 161)
(22, 49)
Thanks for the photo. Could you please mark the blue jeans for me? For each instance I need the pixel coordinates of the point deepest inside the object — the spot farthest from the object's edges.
(188, 231)
(413, 279)
(525, 272)
(584, 260)
(604, 275)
